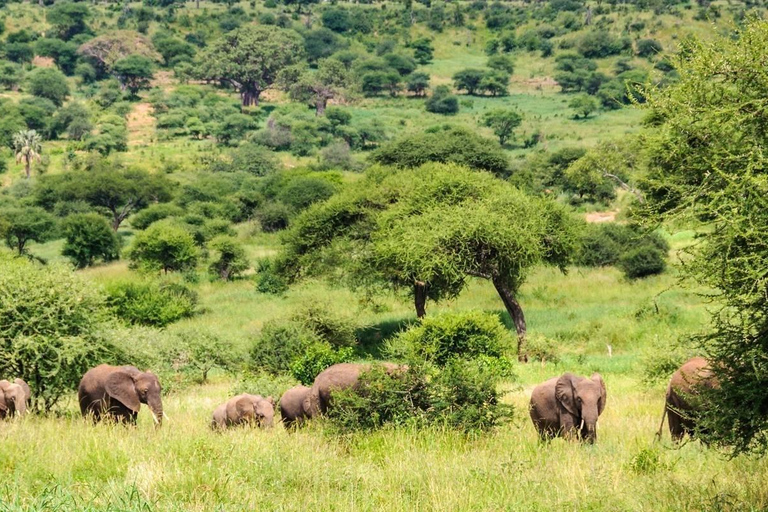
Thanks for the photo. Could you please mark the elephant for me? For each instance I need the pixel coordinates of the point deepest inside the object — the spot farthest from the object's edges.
(117, 392)
(336, 377)
(14, 397)
(244, 409)
(683, 387)
(568, 406)
(295, 405)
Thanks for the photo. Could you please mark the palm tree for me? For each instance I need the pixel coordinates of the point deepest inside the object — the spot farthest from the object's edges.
(28, 145)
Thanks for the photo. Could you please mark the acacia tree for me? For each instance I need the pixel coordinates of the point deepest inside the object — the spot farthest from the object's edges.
(316, 87)
(503, 122)
(428, 230)
(250, 58)
(707, 165)
(22, 224)
(121, 191)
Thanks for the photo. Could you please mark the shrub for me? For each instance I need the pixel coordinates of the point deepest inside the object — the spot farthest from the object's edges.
(150, 302)
(49, 83)
(165, 245)
(274, 216)
(269, 281)
(645, 260)
(329, 326)
(230, 260)
(263, 384)
(336, 156)
(541, 348)
(153, 213)
(52, 353)
(88, 237)
(317, 358)
(604, 244)
(648, 48)
(279, 344)
(255, 159)
(442, 338)
(193, 353)
(303, 191)
(442, 102)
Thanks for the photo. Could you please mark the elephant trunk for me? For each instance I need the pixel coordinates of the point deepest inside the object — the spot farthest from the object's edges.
(589, 425)
(21, 406)
(156, 406)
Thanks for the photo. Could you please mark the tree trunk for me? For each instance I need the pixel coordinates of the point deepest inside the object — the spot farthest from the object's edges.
(249, 97)
(516, 313)
(27, 165)
(320, 105)
(420, 298)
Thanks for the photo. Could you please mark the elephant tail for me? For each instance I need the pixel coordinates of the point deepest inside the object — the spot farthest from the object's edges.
(661, 425)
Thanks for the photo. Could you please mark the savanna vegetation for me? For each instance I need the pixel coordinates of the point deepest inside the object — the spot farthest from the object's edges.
(239, 195)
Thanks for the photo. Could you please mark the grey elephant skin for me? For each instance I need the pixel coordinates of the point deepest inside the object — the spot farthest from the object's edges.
(337, 377)
(683, 388)
(117, 392)
(14, 398)
(244, 409)
(568, 406)
(295, 406)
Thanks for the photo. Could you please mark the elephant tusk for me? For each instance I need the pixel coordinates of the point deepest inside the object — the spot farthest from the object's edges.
(154, 417)
(581, 427)
(597, 425)
(166, 417)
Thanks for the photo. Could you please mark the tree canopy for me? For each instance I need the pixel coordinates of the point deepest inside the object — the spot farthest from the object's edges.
(428, 230)
(250, 58)
(707, 165)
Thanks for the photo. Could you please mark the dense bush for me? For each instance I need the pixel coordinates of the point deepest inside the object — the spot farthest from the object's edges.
(88, 237)
(49, 83)
(317, 358)
(274, 216)
(155, 212)
(442, 338)
(643, 261)
(165, 245)
(279, 344)
(268, 280)
(193, 353)
(66, 338)
(229, 259)
(605, 244)
(151, 303)
(442, 102)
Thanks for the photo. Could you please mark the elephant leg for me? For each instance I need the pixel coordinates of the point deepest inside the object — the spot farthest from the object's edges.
(568, 427)
(676, 428)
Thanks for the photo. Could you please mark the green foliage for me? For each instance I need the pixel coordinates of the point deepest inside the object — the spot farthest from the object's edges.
(502, 63)
(422, 50)
(229, 258)
(22, 224)
(65, 340)
(49, 83)
(11, 75)
(328, 325)
(454, 145)
(317, 358)
(268, 280)
(648, 48)
(442, 338)
(69, 19)
(468, 80)
(152, 303)
(606, 243)
(417, 83)
(598, 44)
(134, 72)
(503, 122)
(193, 353)
(154, 213)
(583, 106)
(87, 238)
(251, 57)
(165, 245)
(643, 261)
(279, 344)
(442, 102)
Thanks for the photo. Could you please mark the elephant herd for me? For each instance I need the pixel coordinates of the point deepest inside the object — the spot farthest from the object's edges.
(567, 406)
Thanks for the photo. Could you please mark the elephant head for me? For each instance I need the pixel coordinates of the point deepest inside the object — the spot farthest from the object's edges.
(13, 398)
(251, 408)
(584, 398)
(132, 388)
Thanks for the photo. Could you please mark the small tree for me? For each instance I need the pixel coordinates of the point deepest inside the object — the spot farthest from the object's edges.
(583, 106)
(165, 245)
(134, 73)
(468, 80)
(317, 87)
(503, 122)
(422, 50)
(229, 258)
(68, 18)
(495, 83)
(87, 238)
(28, 146)
(22, 224)
(442, 102)
(49, 83)
(417, 83)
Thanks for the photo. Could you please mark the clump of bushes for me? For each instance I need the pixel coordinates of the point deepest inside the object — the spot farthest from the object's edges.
(151, 303)
(305, 344)
(637, 253)
(268, 280)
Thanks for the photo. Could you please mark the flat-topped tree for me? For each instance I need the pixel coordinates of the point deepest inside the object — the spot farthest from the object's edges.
(316, 87)
(428, 230)
(250, 59)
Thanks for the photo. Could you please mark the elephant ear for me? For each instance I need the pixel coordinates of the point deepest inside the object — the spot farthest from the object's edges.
(564, 392)
(121, 386)
(270, 400)
(601, 402)
(244, 408)
(25, 387)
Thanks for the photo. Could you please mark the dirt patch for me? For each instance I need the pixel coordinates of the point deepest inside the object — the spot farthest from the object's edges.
(163, 79)
(598, 217)
(141, 124)
(43, 62)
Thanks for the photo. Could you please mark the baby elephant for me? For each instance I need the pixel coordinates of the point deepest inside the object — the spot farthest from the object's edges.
(244, 409)
(568, 406)
(14, 397)
(295, 406)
